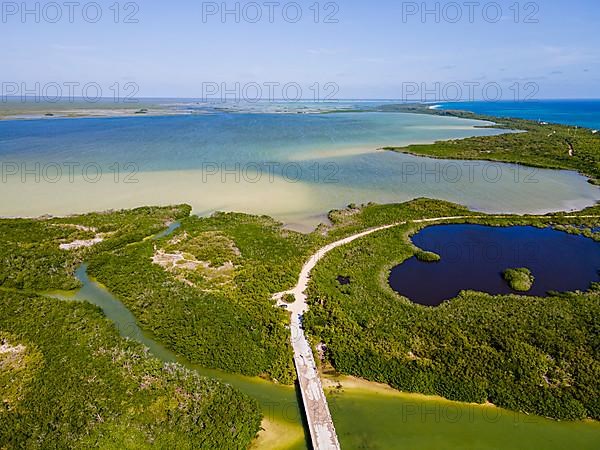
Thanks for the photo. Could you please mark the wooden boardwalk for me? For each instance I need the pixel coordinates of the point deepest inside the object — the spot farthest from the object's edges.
(320, 423)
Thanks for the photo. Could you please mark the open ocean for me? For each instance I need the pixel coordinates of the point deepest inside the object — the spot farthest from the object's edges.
(582, 113)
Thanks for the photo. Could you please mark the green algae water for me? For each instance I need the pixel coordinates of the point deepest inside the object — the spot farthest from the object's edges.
(383, 419)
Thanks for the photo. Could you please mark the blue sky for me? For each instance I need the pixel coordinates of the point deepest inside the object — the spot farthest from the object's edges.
(371, 52)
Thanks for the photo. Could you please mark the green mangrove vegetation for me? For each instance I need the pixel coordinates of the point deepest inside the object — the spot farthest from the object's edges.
(427, 256)
(30, 253)
(206, 290)
(520, 279)
(536, 355)
(67, 380)
(288, 298)
(586, 231)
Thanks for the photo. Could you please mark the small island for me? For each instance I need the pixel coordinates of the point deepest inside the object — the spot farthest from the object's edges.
(520, 279)
(429, 257)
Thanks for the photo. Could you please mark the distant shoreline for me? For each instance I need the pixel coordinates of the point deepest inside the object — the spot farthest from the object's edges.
(87, 114)
(13, 109)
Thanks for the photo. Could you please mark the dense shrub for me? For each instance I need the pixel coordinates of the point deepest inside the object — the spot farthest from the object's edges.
(85, 387)
(538, 355)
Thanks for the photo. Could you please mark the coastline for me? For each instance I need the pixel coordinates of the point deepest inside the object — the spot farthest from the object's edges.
(300, 206)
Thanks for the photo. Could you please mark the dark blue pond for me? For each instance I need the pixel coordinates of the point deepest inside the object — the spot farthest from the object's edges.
(474, 258)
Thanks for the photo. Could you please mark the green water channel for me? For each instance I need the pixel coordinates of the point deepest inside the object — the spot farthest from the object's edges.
(371, 419)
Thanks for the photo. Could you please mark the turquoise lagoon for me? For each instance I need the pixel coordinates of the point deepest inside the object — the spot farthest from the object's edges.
(295, 167)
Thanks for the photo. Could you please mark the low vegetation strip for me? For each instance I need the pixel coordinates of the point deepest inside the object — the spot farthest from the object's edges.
(541, 145)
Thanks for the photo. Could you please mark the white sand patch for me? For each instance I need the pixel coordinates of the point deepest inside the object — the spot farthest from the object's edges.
(81, 243)
(12, 349)
(170, 261)
(179, 264)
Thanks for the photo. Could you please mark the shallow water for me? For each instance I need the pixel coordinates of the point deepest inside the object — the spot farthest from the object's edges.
(295, 167)
(473, 257)
(170, 229)
(372, 417)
